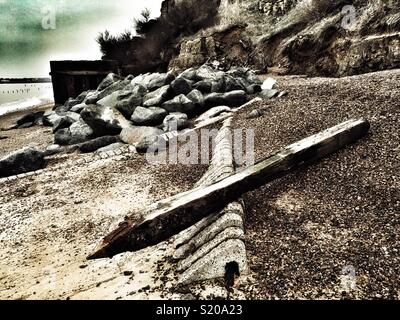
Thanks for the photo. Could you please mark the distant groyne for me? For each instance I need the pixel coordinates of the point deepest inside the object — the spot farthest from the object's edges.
(24, 80)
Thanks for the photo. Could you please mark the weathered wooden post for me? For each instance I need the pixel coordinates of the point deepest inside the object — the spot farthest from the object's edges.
(173, 215)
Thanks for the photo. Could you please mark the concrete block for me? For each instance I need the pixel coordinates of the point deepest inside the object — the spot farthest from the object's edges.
(228, 234)
(213, 265)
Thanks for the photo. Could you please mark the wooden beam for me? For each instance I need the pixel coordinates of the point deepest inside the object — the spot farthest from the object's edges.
(173, 215)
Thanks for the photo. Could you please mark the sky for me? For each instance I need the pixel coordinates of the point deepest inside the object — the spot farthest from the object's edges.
(33, 32)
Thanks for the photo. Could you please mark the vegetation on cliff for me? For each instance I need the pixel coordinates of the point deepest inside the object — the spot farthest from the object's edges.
(315, 37)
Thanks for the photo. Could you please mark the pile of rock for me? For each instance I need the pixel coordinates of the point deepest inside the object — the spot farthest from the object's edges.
(137, 111)
(135, 108)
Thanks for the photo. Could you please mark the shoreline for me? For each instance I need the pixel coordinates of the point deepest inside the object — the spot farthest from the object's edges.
(24, 80)
(14, 94)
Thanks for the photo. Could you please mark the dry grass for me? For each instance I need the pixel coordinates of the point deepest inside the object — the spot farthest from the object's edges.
(231, 14)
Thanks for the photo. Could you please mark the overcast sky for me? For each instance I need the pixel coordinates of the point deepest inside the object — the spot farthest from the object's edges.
(28, 40)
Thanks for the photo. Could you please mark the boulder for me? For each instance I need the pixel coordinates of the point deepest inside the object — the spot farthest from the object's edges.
(95, 144)
(244, 83)
(108, 81)
(252, 78)
(71, 103)
(232, 84)
(63, 123)
(152, 116)
(132, 90)
(175, 121)
(102, 120)
(110, 101)
(269, 93)
(252, 89)
(26, 125)
(232, 99)
(123, 122)
(52, 150)
(111, 147)
(22, 161)
(197, 98)
(239, 72)
(156, 98)
(78, 108)
(74, 116)
(181, 86)
(80, 98)
(119, 85)
(49, 118)
(91, 96)
(269, 84)
(61, 108)
(255, 114)
(203, 86)
(78, 132)
(213, 112)
(245, 74)
(214, 99)
(133, 135)
(206, 72)
(153, 143)
(153, 81)
(30, 119)
(158, 80)
(189, 74)
(129, 99)
(179, 104)
(141, 79)
(217, 86)
(235, 98)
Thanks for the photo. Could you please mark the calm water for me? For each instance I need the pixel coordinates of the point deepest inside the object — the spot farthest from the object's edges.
(17, 92)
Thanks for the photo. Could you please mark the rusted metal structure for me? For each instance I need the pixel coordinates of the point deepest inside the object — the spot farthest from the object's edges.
(70, 78)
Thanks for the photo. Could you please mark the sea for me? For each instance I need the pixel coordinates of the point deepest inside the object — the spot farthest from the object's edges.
(21, 96)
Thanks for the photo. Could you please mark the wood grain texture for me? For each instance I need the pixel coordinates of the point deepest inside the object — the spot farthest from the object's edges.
(173, 215)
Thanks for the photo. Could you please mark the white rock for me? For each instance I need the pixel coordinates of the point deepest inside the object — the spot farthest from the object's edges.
(213, 112)
(269, 84)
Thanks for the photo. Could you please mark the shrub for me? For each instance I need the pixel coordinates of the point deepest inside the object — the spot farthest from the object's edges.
(188, 17)
(156, 37)
(231, 14)
(143, 24)
(107, 41)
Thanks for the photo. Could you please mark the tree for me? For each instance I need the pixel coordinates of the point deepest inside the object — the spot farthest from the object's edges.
(143, 23)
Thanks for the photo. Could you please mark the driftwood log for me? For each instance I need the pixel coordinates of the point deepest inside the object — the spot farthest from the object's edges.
(173, 215)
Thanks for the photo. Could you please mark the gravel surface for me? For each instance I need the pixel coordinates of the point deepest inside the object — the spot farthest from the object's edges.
(331, 230)
(13, 139)
(328, 231)
(50, 223)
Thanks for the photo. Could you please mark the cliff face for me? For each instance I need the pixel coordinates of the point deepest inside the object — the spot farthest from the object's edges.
(334, 38)
(315, 37)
